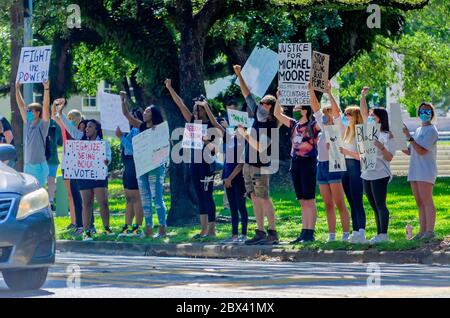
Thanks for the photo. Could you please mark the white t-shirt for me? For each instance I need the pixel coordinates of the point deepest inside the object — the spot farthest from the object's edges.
(323, 153)
(424, 167)
(382, 166)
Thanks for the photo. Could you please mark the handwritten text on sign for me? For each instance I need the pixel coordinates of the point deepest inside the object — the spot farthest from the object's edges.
(319, 74)
(334, 139)
(294, 67)
(365, 136)
(85, 160)
(238, 118)
(193, 134)
(151, 149)
(34, 64)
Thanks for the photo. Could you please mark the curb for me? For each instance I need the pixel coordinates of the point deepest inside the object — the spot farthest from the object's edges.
(270, 253)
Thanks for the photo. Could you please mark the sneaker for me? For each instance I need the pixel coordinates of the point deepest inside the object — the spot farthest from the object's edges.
(93, 230)
(271, 239)
(331, 237)
(428, 236)
(71, 227)
(231, 240)
(345, 237)
(161, 232)
(418, 236)
(300, 238)
(259, 236)
(125, 231)
(380, 238)
(79, 231)
(242, 239)
(362, 235)
(355, 238)
(107, 231)
(87, 236)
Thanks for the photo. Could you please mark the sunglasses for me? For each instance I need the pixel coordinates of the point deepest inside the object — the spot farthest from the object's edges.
(348, 114)
(426, 111)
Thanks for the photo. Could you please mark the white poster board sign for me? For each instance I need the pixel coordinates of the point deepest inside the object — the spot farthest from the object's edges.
(238, 118)
(334, 139)
(151, 149)
(365, 136)
(192, 137)
(111, 115)
(34, 64)
(260, 70)
(320, 69)
(294, 70)
(396, 127)
(85, 160)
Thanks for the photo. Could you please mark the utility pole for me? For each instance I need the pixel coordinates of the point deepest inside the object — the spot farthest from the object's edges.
(27, 42)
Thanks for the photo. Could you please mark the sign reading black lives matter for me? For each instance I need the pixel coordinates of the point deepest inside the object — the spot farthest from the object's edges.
(294, 68)
(34, 64)
(319, 73)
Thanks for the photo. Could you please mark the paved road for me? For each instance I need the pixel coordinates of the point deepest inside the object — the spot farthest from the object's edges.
(135, 277)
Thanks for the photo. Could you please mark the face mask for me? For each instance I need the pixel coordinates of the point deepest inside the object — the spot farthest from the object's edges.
(425, 117)
(371, 120)
(344, 120)
(262, 114)
(325, 119)
(30, 116)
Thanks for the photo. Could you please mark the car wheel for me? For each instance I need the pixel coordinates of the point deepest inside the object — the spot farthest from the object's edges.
(26, 279)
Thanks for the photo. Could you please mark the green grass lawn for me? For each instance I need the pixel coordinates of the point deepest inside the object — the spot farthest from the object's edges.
(401, 204)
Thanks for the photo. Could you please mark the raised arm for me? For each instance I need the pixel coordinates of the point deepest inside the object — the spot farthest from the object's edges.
(178, 101)
(278, 113)
(211, 117)
(363, 104)
(334, 106)
(64, 121)
(46, 102)
(133, 121)
(315, 105)
(21, 103)
(244, 88)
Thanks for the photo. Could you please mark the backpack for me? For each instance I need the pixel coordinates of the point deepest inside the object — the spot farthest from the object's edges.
(48, 143)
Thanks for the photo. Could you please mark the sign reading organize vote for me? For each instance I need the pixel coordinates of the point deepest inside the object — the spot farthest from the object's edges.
(34, 64)
(151, 149)
(294, 70)
(85, 160)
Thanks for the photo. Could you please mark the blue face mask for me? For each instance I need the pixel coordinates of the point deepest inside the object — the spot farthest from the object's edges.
(325, 119)
(344, 120)
(425, 117)
(30, 116)
(371, 120)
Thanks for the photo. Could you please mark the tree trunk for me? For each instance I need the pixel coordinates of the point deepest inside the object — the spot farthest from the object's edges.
(184, 208)
(16, 14)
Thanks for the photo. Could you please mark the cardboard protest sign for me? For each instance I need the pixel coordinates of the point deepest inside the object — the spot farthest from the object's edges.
(193, 133)
(260, 70)
(334, 139)
(294, 70)
(365, 136)
(34, 64)
(396, 127)
(151, 149)
(111, 115)
(85, 160)
(238, 118)
(319, 73)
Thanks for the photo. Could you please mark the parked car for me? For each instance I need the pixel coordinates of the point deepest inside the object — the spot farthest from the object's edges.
(27, 230)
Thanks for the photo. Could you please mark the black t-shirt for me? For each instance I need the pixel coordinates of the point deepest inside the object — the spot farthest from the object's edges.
(198, 153)
(6, 127)
(262, 130)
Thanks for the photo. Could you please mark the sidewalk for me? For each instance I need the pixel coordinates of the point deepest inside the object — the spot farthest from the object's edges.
(261, 253)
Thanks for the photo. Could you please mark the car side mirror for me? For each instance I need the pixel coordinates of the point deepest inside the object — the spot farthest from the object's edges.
(7, 152)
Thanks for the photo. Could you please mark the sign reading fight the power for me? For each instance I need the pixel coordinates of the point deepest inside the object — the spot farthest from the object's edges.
(34, 64)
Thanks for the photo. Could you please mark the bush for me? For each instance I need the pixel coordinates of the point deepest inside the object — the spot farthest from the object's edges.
(116, 156)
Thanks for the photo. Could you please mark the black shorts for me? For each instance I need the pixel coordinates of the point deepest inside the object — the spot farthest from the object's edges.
(92, 184)
(304, 176)
(129, 179)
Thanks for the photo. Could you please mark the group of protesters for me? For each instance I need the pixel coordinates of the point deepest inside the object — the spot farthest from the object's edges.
(246, 172)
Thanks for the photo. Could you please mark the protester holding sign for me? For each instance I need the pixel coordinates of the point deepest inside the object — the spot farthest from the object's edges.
(202, 168)
(232, 176)
(304, 137)
(423, 168)
(258, 160)
(153, 179)
(91, 189)
(376, 181)
(351, 179)
(6, 136)
(129, 180)
(330, 183)
(36, 118)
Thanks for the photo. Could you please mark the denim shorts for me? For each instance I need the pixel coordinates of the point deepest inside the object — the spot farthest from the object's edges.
(39, 171)
(324, 176)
